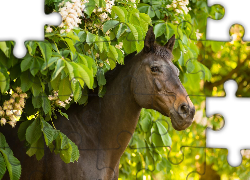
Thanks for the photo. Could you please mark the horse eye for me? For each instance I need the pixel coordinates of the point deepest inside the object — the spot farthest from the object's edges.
(155, 69)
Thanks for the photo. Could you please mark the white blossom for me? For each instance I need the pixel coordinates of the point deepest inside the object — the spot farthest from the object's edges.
(3, 121)
(198, 35)
(71, 13)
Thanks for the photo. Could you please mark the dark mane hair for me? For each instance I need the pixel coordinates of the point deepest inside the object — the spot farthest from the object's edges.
(110, 75)
(163, 52)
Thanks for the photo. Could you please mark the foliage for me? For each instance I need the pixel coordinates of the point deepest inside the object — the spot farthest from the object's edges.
(71, 61)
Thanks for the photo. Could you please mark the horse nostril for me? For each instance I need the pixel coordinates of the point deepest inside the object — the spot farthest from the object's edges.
(192, 112)
(184, 110)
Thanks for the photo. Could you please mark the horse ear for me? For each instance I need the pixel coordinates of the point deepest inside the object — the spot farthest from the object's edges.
(170, 43)
(149, 40)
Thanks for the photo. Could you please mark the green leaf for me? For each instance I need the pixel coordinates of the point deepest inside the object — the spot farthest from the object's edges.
(164, 134)
(56, 82)
(77, 91)
(15, 72)
(65, 153)
(109, 25)
(26, 63)
(3, 143)
(32, 47)
(89, 7)
(70, 69)
(48, 64)
(112, 52)
(83, 74)
(37, 101)
(100, 43)
(120, 30)
(84, 97)
(177, 54)
(159, 29)
(59, 67)
(120, 56)
(63, 114)
(46, 50)
(172, 30)
(64, 89)
(133, 30)
(40, 148)
(145, 121)
(145, 17)
(2, 166)
(26, 81)
(91, 38)
(71, 45)
(72, 36)
(82, 36)
(140, 43)
(128, 45)
(33, 132)
(119, 13)
(49, 133)
(36, 87)
(134, 17)
(5, 49)
(3, 82)
(156, 137)
(22, 130)
(35, 66)
(12, 163)
(46, 104)
(101, 78)
(75, 152)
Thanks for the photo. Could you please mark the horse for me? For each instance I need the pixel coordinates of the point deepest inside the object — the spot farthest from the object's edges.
(103, 128)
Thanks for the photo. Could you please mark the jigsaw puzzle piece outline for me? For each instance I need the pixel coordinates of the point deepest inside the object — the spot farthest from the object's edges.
(220, 138)
(219, 29)
(35, 32)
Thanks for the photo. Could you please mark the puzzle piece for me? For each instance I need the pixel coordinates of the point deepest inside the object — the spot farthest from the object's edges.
(219, 30)
(225, 138)
(188, 168)
(217, 166)
(30, 21)
(95, 125)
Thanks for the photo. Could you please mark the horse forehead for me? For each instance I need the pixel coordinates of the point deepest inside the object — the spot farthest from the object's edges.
(163, 52)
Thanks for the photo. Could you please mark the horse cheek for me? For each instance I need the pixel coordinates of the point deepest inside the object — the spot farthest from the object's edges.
(158, 85)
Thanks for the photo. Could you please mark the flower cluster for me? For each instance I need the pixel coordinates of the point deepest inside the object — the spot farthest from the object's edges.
(198, 35)
(56, 102)
(13, 108)
(131, 3)
(109, 4)
(104, 16)
(245, 153)
(179, 6)
(119, 46)
(71, 13)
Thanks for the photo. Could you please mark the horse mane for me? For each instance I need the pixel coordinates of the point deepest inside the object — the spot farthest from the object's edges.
(163, 52)
(110, 75)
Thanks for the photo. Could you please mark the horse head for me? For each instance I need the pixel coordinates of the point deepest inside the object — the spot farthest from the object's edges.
(157, 86)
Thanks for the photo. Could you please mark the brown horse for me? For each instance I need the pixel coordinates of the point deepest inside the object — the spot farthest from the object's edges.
(103, 128)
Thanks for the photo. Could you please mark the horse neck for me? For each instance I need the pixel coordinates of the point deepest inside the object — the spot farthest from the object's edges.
(120, 112)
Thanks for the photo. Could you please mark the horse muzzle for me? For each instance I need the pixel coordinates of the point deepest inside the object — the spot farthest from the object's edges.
(183, 117)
